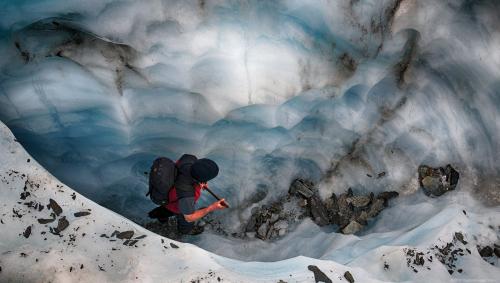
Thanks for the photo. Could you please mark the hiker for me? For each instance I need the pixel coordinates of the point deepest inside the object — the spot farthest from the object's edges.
(191, 177)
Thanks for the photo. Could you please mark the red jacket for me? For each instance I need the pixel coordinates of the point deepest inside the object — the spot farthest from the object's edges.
(172, 196)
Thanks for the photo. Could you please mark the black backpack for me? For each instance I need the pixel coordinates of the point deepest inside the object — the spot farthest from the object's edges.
(161, 179)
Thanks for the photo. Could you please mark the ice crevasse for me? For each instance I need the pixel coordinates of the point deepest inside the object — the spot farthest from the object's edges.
(332, 91)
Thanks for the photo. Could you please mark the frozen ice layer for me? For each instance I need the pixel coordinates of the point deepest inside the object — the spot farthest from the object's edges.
(337, 92)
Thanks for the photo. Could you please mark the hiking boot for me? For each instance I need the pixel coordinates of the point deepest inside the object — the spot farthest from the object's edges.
(196, 231)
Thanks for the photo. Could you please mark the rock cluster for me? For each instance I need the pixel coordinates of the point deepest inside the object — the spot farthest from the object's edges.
(348, 211)
(352, 212)
(487, 252)
(437, 181)
(269, 222)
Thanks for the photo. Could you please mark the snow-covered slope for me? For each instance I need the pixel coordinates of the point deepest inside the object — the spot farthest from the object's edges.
(89, 250)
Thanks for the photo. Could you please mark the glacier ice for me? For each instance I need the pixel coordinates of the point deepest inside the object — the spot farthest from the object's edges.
(328, 90)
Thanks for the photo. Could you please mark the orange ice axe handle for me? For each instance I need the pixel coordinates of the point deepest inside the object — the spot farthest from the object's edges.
(216, 197)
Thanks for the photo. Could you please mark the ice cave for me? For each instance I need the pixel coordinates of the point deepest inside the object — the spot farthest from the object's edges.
(357, 140)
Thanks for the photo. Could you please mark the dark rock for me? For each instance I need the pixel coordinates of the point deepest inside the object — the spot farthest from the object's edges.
(81, 213)
(55, 207)
(419, 259)
(380, 175)
(140, 237)
(352, 227)
(496, 251)
(303, 202)
(125, 235)
(174, 246)
(359, 201)
(45, 221)
(263, 231)
(319, 276)
(437, 181)
(348, 277)
(27, 232)
(376, 207)
(386, 196)
(343, 217)
(318, 211)
(386, 266)
(274, 218)
(130, 242)
(62, 224)
(301, 187)
(460, 237)
(486, 251)
(24, 195)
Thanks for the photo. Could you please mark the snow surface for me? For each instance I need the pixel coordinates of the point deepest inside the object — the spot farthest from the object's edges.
(271, 90)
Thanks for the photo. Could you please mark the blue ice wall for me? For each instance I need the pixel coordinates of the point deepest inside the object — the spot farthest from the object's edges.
(271, 90)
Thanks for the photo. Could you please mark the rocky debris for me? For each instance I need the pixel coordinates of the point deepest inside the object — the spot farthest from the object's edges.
(302, 187)
(62, 224)
(416, 259)
(130, 242)
(437, 181)
(352, 227)
(496, 251)
(24, 195)
(348, 277)
(319, 276)
(125, 235)
(448, 253)
(348, 211)
(270, 222)
(262, 231)
(485, 251)
(352, 212)
(386, 266)
(460, 237)
(318, 210)
(27, 232)
(45, 221)
(55, 207)
(174, 246)
(359, 201)
(81, 213)
(35, 205)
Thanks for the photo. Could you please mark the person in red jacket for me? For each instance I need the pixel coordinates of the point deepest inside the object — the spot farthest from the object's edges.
(192, 177)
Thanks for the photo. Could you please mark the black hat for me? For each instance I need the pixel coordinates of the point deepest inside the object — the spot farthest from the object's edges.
(204, 170)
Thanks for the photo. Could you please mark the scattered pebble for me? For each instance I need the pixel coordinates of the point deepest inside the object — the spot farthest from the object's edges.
(27, 232)
(81, 213)
(348, 277)
(319, 276)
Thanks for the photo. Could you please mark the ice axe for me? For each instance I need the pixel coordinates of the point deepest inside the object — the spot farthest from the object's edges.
(216, 197)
